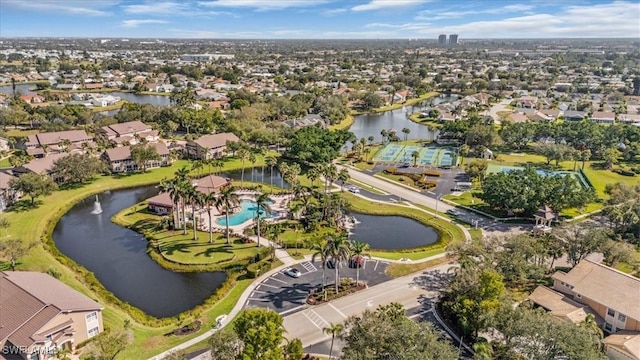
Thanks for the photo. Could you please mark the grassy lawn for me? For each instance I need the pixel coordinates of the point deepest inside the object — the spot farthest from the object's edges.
(4, 163)
(406, 103)
(399, 178)
(20, 132)
(344, 124)
(398, 270)
(415, 117)
(115, 106)
(31, 223)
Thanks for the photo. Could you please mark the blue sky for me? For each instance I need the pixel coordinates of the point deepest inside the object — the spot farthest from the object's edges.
(323, 19)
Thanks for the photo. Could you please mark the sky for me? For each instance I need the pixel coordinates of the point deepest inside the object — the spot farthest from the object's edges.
(320, 19)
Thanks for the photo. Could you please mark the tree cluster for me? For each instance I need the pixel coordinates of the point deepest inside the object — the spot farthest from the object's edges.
(315, 145)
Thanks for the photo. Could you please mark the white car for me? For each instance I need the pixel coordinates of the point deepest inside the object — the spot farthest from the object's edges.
(294, 273)
(453, 212)
(354, 190)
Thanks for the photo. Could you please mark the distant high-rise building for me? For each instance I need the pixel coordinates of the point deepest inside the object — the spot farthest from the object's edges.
(442, 39)
(453, 39)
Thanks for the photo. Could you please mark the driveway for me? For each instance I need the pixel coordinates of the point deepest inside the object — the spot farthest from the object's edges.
(285, 294)
(420, 290)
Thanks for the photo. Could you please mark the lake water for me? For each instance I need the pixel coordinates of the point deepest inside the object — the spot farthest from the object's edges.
(372, 124)
(392, 232)
(118, 258)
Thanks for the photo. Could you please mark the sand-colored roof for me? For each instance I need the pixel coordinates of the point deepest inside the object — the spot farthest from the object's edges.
(51, 138)
(607, 286)
(29, 300)
(43, 165)
(4, 180)
(126, 128)
(627, 340)
(162, 199)
(124, 152)
(211, 183)
(215, 140)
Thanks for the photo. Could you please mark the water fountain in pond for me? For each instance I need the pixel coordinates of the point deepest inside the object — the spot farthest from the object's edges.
(97, 208)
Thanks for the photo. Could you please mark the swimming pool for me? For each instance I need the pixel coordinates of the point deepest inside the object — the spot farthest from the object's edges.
(247, 212)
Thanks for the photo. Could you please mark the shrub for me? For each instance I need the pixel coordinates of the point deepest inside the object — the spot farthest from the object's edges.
(636, 170)
(391, 170)
(401, 178)
(432, 173)
(624, 172)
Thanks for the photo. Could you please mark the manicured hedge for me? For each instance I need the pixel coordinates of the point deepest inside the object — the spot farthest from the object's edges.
(431, 172)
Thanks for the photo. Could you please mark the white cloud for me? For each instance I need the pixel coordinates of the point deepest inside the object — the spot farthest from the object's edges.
(71, 7)
(138, 22)
(385, 4)
(263, 5)
(331, 12)
(155, 8)
(434, 15)
(517, 7)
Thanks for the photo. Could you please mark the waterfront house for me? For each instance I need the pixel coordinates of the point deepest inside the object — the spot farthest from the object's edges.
(56, 142)
(40, 312)
(130, 132)
(119, 158)
(161, 204)
(210, 146)
(8, 195)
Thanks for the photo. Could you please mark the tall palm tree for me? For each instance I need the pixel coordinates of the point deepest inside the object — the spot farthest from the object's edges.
(172, 187)
(358, 251)
(197, 166)
(271, 162)
(384, 134)
(339, 250)
(371, 139)
(182, 182)
(262, 204)
(406, 132)
(320, 251)
(283, 167)
(415, 155)
(191, 197)
(343, 176)
(217, 164)
(252, 159)
(209, 200)
(243, 154)
(313, 174)
(366, 152)
(330, 173)
(333, 330)
(227, 200)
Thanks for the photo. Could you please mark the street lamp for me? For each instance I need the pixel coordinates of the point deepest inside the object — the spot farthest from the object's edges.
(437, 198)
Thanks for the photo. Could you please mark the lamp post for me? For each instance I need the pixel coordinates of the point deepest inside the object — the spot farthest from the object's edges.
(437, 198)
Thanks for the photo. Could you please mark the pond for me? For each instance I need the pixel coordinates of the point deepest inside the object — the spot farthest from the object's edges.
(22, 88)
(118, 258)
(391, 232)
(371, 124)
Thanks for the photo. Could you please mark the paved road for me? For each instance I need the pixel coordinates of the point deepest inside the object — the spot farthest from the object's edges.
(495, 109)
(429, 200)
(284, 294)
(411, 291)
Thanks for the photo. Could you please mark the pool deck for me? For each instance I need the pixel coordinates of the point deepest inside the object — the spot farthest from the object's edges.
(279, 206)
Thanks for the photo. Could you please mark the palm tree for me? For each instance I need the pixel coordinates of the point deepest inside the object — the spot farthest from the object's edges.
(313, 174)
(406, 132)
(217, 164)
(343, 176)
(590, 324)
(209, 200)
(371, 139)
(262, 204)
(464, 150)
(243, 154)
(191, 196)
(333, 330)
(227, 200)
(283, 167)
(271, 162)
(339, 250)
(415, 155)
(172, 187)
(320, 250)
(384, 134)
(252, 159)
(197, 166)
(330, 173)
(366, 152)
(182, 183)
(358, 251)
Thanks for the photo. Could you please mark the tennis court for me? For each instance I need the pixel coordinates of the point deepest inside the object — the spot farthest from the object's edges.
(432, 156)
(495, 168)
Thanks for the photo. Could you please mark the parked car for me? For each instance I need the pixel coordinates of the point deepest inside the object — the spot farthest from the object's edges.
(453, 212)
(354, 190)
(294, 273)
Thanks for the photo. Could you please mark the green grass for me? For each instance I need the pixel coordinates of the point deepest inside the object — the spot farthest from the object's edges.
(20, 132)
(402, 179)
(406, 103)
(398, 269)
(4, 163)
(344, 124)
(415, 117)
(30, 224)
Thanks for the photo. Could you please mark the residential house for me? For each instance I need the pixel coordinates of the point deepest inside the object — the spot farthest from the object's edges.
(56, 142)
(5, 145)
(210, 146)
(130, 132)
(119, 158)
(93, 86)
(400, 96)
(7, 194)
(42, 166)
(517, 118)
(572, 115)
(633, 119)
(33, 99)
(67, 87)
(527, 102)
(603, 117)
(41, 313)
(308, 120)
(161, 204)
(610, 295)
(551, 113)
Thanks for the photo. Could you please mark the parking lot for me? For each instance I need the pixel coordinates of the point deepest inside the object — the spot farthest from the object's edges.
(285, 294)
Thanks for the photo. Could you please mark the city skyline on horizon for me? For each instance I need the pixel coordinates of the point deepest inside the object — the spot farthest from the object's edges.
(320, 19)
